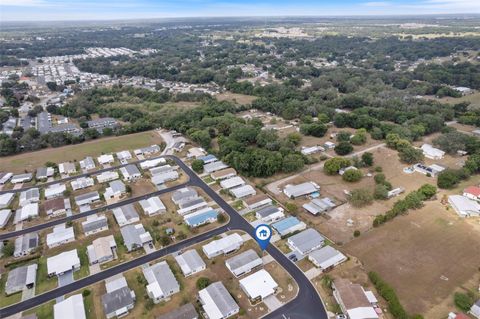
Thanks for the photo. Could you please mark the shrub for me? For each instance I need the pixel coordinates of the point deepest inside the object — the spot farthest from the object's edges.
(463, 301)
(333, 165)
(381, 192)
(86, 293)
(361, 197)
(343, 148)
(202, 283)
(389, 294)
(197, 166)
(356, 233)
(352, 175)
(367, 159)
(380, 178)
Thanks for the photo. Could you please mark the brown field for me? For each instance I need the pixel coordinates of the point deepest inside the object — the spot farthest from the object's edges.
(425, 256)
(234, 97)
(31, 161)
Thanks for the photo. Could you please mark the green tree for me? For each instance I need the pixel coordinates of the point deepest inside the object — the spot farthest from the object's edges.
(381, 192)
(343, 148)
(8, 249)
(367, 159)
(463, 301)
(201, 137)
(448, 179)
(292, 163)
(361, 197)
(410, 155)
(197, 166)
(352, 175)
(334, 164)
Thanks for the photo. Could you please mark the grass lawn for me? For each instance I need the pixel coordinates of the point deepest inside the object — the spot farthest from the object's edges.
(31, 161)
(238, 205)
(89, 306)
(208, 180)
(44, 311)
(83, 272)
(44, 283)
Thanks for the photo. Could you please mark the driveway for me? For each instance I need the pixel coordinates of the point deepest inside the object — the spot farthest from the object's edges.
(65, 279)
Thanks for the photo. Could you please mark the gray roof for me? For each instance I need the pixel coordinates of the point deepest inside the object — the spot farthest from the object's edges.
(89, 161)
(190, 259)
(184, 312)
(222, 298)
(116, 300)
(162, 274)
(30, 193)
(242, 259)
(43, 123)
(184, 193)
(101, 122)
(191, 202)
(26, 242)
(92, 224)
(132, 169)
(18, 277)
(41, 172)
(307, 240)
(267, 211)
(117, 186)
(131, 236)
(128, 211)
(323, 254)
(86, 195)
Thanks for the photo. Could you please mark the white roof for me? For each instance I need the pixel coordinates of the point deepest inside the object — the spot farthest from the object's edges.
(55, 190)
(27, 211)
(464, 205)
(108, 175)
(362, 313)
(105, 158)
(243, 191)
(222, 243)
(429, 150)
(152, 205)
(71, 308)
(62, 262)
(259, 284)
(232, 182)
(6, 199)
(4, 216)
(371, 297)
(60, 233)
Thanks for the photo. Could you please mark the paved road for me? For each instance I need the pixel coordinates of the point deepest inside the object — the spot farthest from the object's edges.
(274, 187)
(307, 304)
(69, 178)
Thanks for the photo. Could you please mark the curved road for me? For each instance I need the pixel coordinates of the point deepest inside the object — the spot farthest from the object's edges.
(306, 305)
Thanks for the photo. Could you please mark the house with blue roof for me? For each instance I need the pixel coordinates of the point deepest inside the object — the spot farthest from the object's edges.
(288, 225)
(201, 219)
(210, 158)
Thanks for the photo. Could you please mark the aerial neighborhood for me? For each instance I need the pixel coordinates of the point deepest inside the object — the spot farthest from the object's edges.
(244, 168)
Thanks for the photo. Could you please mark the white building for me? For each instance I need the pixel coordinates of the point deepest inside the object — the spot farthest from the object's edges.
(63, 262)
(130, 172)
(54, 191)
(67, 168)
(294, 191)
(87, 163)
(312, 150)
(161, 281)
(4, 217)
(107, 176)
(124, 156)
(217, 303)
(431, 152)
(153, 206)
(6, 199)
(105, 159)
(29, 196)
(71, 308)
(61, 235)
(190, 262)
(125, 215)
(81, 183)
(26, 212)
(259, 285)
(223, 245)
(243, 263)
(243, 191)
(464, 206)
(326, 257)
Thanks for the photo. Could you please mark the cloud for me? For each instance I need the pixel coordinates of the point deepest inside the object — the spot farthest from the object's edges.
(23, 3)
(377, 4)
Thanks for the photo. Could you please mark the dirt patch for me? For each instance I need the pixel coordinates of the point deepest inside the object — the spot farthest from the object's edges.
(427, 248)
(234, 97)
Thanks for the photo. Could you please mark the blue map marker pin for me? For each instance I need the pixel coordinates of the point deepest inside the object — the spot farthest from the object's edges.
(263, 233)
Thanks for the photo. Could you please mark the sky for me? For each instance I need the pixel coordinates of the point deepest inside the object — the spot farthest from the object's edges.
(48, 10)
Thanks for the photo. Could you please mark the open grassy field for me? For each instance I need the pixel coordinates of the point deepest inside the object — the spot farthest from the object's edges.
(425, 255)
(31, 161)
(234, 97)
(474, 99)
